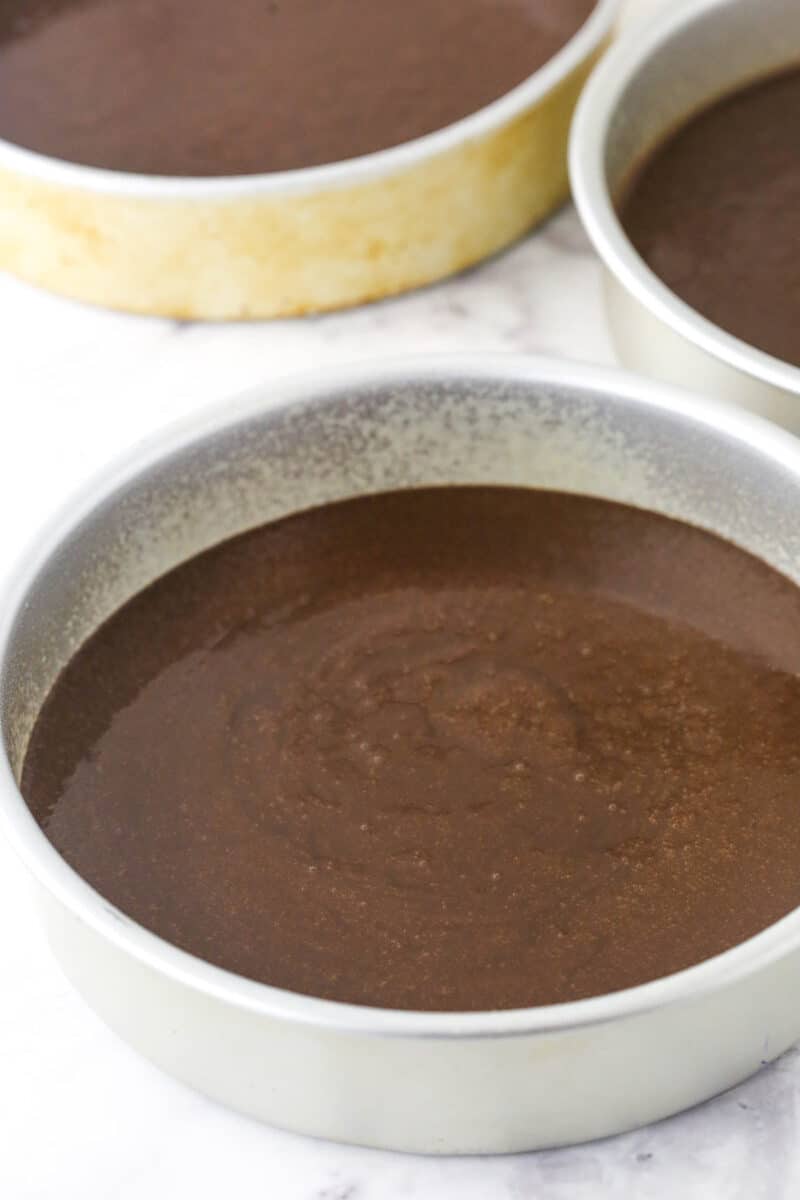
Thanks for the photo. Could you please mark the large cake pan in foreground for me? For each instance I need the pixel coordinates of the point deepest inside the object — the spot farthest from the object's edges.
(434, 1082)
(307, 240)
(654, 79)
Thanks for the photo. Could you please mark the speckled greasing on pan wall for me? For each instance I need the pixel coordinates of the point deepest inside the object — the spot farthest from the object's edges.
(327, 239)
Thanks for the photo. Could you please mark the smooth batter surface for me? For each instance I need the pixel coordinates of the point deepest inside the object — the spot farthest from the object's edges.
(229, 87)
(716, 214)
(449, 749)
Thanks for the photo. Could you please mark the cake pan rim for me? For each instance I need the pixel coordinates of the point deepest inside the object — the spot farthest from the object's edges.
(47, 169)
(779, 450)
(589, 138)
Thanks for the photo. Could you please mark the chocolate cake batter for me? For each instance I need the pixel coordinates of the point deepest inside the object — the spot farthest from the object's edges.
(716, 214)
(236, 87)
(463, 748)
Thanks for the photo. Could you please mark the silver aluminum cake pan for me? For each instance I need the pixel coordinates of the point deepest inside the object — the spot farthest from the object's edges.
(302, 241)
(477, 1082)
(651, 81)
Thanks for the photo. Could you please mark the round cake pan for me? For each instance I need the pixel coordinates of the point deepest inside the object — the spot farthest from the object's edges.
(300, 241)
(650, 82)
(433, 1082)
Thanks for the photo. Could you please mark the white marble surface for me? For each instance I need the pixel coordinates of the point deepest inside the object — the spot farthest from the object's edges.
(83, 1117)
